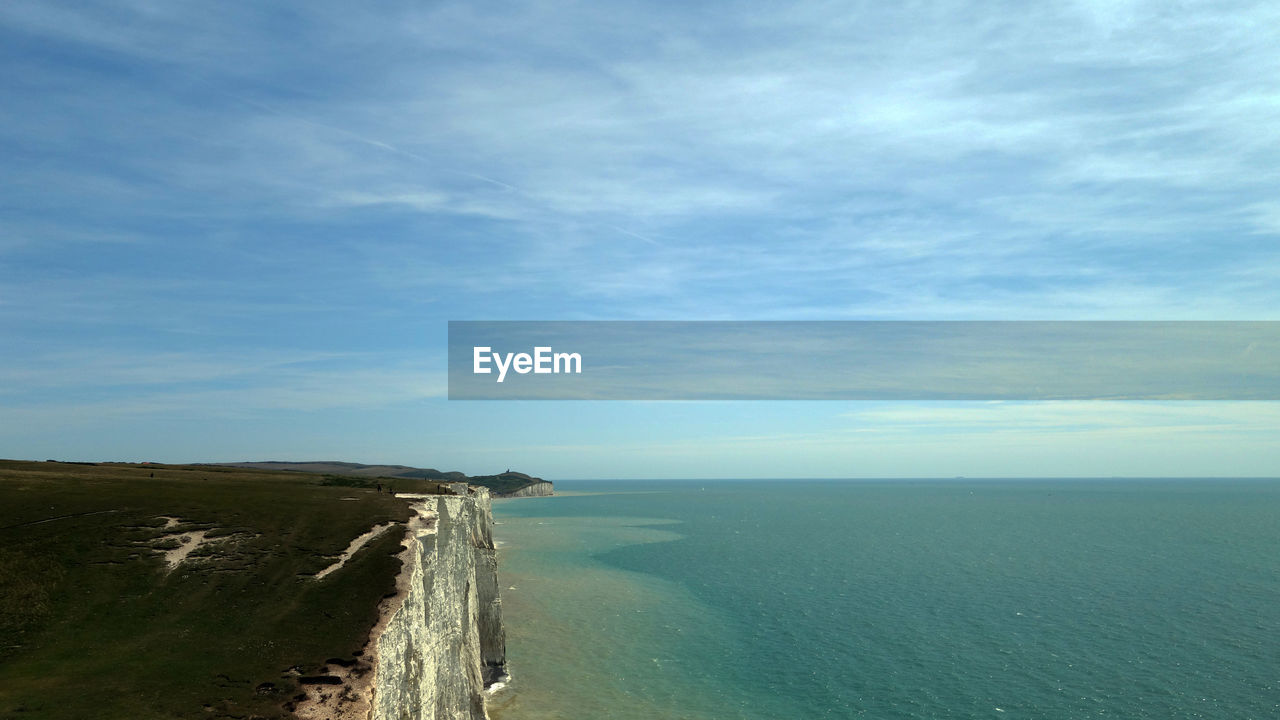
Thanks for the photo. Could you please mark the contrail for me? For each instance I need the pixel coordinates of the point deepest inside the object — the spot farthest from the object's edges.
(638, 236)
(371, 142)
(415, 156)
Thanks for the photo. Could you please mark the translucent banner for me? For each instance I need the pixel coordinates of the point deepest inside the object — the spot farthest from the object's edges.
(856, 360)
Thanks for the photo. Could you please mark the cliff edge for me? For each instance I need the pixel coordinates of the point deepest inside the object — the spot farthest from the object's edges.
(439, 643)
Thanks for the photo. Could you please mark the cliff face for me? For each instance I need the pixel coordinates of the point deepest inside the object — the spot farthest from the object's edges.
(493, 635)
(540, 488)
(445, 642)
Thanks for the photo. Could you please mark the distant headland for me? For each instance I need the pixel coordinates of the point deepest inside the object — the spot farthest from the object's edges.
(501, 485)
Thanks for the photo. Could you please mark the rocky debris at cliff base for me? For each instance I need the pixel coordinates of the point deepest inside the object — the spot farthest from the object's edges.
(498, 685)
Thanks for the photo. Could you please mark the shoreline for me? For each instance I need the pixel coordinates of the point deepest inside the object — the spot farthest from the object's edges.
(584, 635)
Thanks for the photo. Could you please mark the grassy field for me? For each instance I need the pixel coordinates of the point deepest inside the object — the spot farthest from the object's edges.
(94, 624)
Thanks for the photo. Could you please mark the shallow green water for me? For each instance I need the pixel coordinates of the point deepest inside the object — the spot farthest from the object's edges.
(1028, 599)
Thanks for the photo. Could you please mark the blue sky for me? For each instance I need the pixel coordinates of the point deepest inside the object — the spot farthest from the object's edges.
(237, 231)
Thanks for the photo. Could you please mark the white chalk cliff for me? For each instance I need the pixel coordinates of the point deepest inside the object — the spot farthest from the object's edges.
(539, 488)
(444, 644)
(439, 643)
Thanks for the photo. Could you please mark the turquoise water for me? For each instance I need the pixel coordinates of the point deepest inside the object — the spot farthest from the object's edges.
(962, 599)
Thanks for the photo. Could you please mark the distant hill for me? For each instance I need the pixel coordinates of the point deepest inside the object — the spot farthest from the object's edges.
(505, 483)
(512, 483)
(333, 467)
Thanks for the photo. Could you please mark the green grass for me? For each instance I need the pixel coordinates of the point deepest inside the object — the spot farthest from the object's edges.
(93, 625)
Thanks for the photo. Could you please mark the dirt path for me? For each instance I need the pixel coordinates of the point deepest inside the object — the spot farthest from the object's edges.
(353, 547)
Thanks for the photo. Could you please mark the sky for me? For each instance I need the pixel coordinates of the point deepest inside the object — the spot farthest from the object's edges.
(238, 230)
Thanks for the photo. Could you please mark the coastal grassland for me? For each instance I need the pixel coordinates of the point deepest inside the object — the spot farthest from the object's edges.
(95, 623)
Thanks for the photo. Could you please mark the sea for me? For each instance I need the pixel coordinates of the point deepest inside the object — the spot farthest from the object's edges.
(902, 599)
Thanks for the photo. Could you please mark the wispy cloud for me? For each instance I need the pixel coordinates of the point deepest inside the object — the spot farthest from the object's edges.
(98, 388)
(1127, 418)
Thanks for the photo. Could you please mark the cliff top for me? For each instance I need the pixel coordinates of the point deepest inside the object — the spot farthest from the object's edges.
(149, 590)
